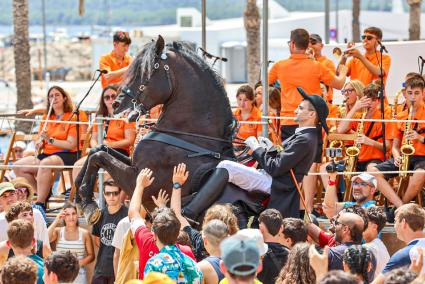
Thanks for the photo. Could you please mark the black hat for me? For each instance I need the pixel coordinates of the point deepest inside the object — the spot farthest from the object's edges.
(316, 37)
(319, 105)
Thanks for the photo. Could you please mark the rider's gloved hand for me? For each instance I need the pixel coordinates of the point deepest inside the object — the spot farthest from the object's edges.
(252, 143)
(266, 143)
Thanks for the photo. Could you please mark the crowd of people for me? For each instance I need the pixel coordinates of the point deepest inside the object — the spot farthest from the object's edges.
(284, 243)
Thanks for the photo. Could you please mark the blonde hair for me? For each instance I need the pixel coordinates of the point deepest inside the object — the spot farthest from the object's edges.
(222, 212)
(357, 86)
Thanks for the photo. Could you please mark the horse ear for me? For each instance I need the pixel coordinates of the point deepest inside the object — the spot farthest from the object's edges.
(159, 45)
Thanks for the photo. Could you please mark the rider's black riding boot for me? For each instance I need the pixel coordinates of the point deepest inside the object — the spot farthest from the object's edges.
(207, 195)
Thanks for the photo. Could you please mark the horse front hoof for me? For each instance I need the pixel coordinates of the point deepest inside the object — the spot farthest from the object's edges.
(91, 213)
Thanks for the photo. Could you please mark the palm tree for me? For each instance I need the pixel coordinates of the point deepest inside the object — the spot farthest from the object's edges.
(81, 7)
(414, 19)
(252, 27)
(356, 21)
(21, 54)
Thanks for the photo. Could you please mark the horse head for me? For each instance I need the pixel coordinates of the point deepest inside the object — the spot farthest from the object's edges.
(148, 81)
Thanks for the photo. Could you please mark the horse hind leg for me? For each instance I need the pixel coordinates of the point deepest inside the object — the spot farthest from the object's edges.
(123, 175)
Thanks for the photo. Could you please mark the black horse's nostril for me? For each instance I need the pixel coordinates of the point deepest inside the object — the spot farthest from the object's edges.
(116, 104)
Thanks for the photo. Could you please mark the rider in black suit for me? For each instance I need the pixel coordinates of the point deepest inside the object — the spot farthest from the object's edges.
(299, 152)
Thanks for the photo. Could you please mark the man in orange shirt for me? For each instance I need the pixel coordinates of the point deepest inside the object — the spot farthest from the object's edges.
(300, 71)
(317, 45)
(366, 67)
(415, 91)
(116, 62)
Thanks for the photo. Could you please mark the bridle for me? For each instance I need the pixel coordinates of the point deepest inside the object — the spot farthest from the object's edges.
(141, 109)
(138, 106)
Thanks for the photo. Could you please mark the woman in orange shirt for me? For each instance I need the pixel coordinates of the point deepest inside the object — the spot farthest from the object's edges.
(57, 144)
(247, 111)
(117, 134)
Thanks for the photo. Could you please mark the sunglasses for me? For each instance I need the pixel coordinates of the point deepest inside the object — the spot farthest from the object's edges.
(109, 97)
(368, 37)
(335, 222)
(313, 41)
(22, 189)
(112, 193)
(347, 91)
(360, 183)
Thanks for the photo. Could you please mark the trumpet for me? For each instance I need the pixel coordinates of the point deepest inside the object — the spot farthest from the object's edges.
(338, 52)
(310, 53)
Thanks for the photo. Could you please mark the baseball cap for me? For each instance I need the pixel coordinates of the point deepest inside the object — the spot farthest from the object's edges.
(20, 144)
(316, 37)
(6, 186)
(255, 235)
(319, 105)
(367, 178)
(240, 257)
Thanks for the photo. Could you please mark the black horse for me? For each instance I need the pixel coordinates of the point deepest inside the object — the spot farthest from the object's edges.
(195, 127)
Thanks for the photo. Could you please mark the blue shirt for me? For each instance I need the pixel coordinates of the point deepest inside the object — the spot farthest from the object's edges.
(179, 267)
(40, 267)
(368, 204)
(400, 258)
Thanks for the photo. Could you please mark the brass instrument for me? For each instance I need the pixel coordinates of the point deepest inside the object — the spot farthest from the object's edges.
(353, 151)
(395, 104)
(343, 113)
(310, 53)
(406, 148)
(338, 53)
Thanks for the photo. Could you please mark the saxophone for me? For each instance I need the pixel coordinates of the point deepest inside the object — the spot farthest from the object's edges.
(343, 113)
(395, 104)
(406, 148)
(353, 151)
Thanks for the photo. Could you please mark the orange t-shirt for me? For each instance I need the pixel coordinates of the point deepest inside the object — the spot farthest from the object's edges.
(116, 130)
(419, 127)
(110, 63)
(357, 71)
(367, 152)
(298, 71)
(248, 129)
(59, 131)
(331, 66)
(334, 112)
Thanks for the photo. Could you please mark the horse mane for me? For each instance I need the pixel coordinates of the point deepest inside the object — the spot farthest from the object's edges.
(187, 51)
(143, 66)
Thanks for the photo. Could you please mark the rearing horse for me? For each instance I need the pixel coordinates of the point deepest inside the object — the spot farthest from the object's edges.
(195, 127)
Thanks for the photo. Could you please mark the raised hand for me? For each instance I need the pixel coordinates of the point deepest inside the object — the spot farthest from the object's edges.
(318, 261)
(145, 178)
(180, 174)
(162, 199)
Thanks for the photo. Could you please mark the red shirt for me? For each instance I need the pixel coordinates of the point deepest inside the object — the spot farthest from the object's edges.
(147, 248)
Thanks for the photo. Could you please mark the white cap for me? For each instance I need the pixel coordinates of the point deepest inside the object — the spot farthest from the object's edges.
(253, 234)
(367, 178)
(20, 144)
